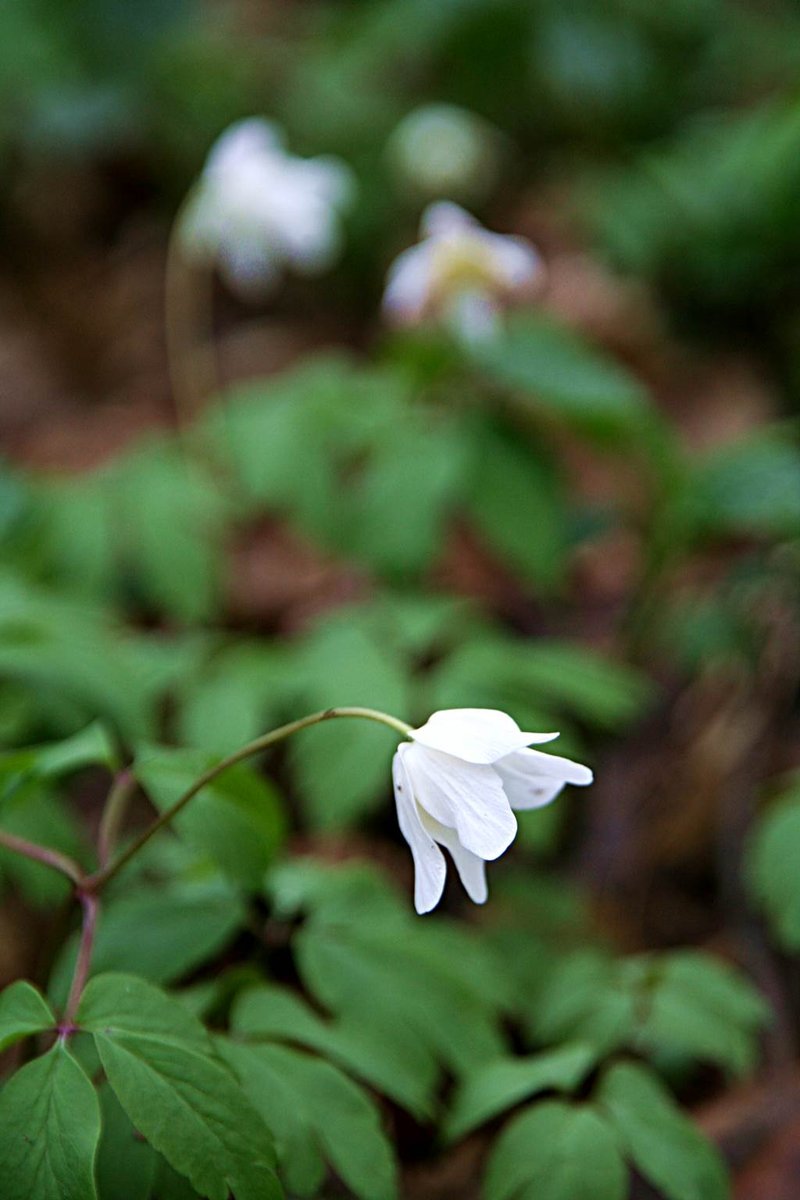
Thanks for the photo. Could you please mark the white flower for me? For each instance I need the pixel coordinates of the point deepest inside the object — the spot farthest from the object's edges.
(257, 209)
(455, 785)
(445, 150)
(459, 272)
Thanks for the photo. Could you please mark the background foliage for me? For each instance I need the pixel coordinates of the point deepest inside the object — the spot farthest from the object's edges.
(592, 522)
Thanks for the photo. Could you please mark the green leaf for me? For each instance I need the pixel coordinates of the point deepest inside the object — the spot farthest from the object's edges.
(564, 377)
(161, 1065)
(49, 1130)
(126, 1165)
(703, 1009)
(92, 746)
(324, 1109)
(556, 1151)
(773, 857)
(662, 1143)
(385, 981)
(23, 1011)
(169, 516)
(398, 506)
(343, 768)
(496, 1086)
(273, 1013)
(236, 820)
(751, 487)
(161, 933)
(504, 672)
(520, 507)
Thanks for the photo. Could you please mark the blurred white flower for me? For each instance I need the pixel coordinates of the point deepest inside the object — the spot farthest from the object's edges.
(461, 273)
(455, 785)
(257, 209)
(445, 150)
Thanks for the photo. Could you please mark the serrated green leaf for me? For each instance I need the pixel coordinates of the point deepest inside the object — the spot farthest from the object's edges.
(341, 1119)
(662, 1143)
(162, 1067)
(496, 1086)
(273, 1013)
(23, 1011)
(49, 1130)
(556, 1151)
(236, 820)
(561, 374)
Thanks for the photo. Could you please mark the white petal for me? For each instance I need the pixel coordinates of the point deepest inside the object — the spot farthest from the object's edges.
(534, 762)
(408, 284)
(477, 735)
(445, 218)
(515, 259)
(429, 865)
(474, 317)
(243, 142)
(467, 797)
(471, 868)
(532, 779)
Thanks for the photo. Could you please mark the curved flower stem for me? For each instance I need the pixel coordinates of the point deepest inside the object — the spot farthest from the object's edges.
(97, 881)
(121, 792)
(43, 854)
(188, 329)
(91, 906)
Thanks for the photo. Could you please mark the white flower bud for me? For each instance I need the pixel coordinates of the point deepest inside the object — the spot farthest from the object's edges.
(444, 150)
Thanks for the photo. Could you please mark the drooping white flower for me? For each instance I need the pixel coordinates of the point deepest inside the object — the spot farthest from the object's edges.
(257, 209)
(460, 273)
(456, 783)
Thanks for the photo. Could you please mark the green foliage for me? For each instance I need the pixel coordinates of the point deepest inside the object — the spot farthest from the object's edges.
(316, 1110)
(557, 375)
(49, 1129)
(23, 1011)
(500, 1085)
(274, 1014)
(773, 857)
(663, 1145)
(683, 1005)
(556, 1151)
(236, 820)
(161, 1065)
(159, 932)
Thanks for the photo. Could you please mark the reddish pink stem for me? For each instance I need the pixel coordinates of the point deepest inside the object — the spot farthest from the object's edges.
(90, 905)
(43, 854)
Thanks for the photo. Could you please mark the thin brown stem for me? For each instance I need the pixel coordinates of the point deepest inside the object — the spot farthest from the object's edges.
(97, 881)
(43, 854)
(189, 330)
(91, 905)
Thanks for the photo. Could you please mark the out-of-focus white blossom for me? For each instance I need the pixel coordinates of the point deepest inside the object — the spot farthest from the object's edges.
(460, 273)
(257, 209)
(445, 150)
(455, 785)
